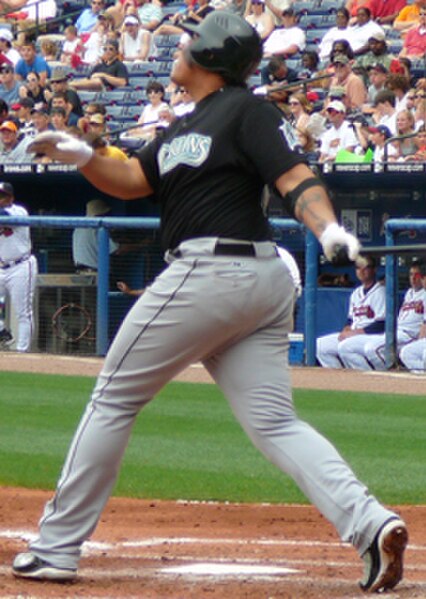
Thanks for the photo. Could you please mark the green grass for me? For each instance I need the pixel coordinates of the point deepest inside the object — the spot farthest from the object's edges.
(186, 443)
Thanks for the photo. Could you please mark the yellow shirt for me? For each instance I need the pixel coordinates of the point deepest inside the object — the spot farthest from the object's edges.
(408, 13)
(114, 152)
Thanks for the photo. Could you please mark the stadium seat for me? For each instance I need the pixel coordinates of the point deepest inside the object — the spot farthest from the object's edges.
(166, 41)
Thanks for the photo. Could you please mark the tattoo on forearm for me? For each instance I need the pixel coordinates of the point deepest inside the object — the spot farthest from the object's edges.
(305, 205)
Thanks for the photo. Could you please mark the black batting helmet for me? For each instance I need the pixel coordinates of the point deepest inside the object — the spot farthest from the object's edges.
(225, 44)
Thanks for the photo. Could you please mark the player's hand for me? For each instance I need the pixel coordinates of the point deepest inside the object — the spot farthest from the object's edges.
(339, 246)
(62, 147)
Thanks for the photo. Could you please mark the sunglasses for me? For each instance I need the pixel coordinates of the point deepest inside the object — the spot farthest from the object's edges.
(420, 96)
(294, 103)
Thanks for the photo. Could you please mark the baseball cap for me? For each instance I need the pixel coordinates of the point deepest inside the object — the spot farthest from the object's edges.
(381, 129)
(97, 118)
(131, 20)
(6, 34)
(336, 92)
(40, 110)
(379, 67)
(6, 188)
(379, 36)
(58, 75)
(9, 126)
(23, 103)
(336, 105)
(97, 208)
(340, 59)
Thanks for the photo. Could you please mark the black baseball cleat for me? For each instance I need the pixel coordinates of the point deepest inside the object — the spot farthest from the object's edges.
(28, 565)
(383, 561)
(6, 337)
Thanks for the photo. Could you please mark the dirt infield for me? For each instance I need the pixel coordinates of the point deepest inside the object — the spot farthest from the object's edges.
(181, 550)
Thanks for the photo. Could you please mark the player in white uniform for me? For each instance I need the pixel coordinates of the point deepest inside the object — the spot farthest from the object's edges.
(366, 317)
(413, 355)
(18, 270)
(411, 316)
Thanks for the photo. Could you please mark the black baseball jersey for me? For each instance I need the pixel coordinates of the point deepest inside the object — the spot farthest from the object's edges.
(209, 167)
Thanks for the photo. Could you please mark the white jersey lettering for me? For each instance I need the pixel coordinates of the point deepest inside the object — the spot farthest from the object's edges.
(189, 150)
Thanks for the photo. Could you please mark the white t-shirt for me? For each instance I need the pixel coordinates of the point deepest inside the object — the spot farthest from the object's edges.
(131, 45)
(282, 38)
(150, 114)
(44, 9)
(358, 35)
(333, 140)
(329, 38)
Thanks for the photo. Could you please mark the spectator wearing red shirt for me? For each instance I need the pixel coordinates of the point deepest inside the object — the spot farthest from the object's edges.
(415, 40)
(385, 12)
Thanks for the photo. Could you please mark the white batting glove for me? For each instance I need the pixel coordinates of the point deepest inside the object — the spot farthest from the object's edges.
(62, 147)
(336, 243)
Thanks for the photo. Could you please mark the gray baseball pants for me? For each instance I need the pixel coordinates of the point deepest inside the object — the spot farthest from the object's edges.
(234, 314)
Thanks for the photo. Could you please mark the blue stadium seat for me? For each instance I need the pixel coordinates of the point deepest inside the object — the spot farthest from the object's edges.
(167, 41)
(139, 68)
(87, 96)
(161, 67)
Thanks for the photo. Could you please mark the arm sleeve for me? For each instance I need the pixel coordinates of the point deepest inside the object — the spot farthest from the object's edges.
(274, 146)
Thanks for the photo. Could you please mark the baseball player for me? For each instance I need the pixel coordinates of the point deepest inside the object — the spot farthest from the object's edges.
(18, 270)
(225, 299)
(366, 317)
(413, 354)
(411, 316)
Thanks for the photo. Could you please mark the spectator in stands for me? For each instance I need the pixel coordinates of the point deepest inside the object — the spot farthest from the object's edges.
(23, 109)
(261, 20)
(96, 124)
(419, 109)
(405, 126)
(41, 119)
(150, 14)
(377, 75)
(151, 117)
(96, 40)
(58, 119)
(9, 87)
(88, 19)
(90, 109)
(420, 147)
(32, 11)
(341, 47)
(383, 152)
(277, 73)
(411, 319)
(366, 317)
(31, 62)
(72, 46)
(7, 51)
(60, 100)
(300, 109)
(172, 23)
(287, 40)
(49, 50)
(400, 87)
(309, 68)
(181, 102)
(109, 74)
(353, 85)
(135, 42)
(339, 136)
(415, 40)
(362, 31)
(409, 17)
(33, 88)
(377, 53)
(15, 144)
(385, 12)
(385, 113)
(59, 83)
(339, 32)
(352, 6)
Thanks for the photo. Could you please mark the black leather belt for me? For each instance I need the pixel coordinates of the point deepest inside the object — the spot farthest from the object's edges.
(5, 265)
(234, 249)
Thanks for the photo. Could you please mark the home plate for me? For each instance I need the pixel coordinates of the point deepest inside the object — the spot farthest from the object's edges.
(212, 569)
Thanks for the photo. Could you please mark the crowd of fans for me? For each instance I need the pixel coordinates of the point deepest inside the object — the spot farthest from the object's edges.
(346, 87)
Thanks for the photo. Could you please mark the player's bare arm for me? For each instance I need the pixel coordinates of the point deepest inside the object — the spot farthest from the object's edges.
(124, 180)
(313, 207)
